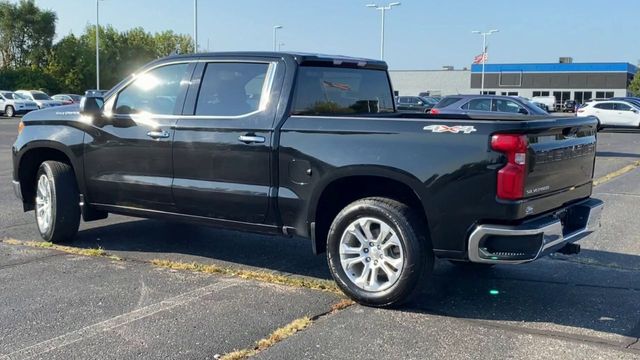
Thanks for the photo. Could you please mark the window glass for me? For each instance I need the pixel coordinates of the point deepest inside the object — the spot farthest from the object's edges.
(507, 106)
(403, 100)
(342, 91)
(154, 92)
(608, 94)
(604, 106)
(478, 105)
(231, 89)
(447, 101)
(621, 107)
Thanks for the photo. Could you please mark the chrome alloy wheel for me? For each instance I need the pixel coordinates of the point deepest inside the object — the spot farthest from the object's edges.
(371, 254)
(43, 204)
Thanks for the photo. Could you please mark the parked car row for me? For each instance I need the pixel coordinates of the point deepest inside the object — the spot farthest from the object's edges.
(483, 104)
(20, 102)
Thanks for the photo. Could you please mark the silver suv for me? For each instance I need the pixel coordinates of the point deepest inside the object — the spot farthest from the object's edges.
(12, 104)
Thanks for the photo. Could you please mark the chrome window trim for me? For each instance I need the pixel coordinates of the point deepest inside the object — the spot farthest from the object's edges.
(267, 89)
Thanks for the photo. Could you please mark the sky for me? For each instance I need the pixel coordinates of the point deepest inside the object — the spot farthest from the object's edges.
(420, 34)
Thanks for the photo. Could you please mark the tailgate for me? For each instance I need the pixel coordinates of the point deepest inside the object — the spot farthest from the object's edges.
(561, 156)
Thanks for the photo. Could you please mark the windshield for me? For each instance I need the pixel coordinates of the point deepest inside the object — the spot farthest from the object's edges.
(429, 100)
(40, 96)
(536, 109)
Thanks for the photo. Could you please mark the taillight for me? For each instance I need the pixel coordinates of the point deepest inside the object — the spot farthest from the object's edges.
(511, 176)
(434, 111)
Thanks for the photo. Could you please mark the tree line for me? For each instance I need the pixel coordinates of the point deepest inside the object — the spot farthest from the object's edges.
(31, 59)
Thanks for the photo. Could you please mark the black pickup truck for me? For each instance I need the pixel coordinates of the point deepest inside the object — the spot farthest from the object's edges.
(311, 146)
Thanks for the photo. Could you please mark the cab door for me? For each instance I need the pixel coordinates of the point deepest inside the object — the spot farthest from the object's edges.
(128, 152)
(223, 143)
(626, 115)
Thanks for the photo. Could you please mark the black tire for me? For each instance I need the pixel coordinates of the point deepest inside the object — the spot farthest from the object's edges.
(64, 202)
(416, 248)
(9, 111)
(471, 265)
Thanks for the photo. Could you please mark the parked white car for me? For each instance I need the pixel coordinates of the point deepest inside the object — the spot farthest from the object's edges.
(42, 99)
(612, 113)
(548, 101)
(11, 104)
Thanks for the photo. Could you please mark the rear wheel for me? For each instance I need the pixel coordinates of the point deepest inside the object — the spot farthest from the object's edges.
(377, 251)
(9, 111)
(57, 202)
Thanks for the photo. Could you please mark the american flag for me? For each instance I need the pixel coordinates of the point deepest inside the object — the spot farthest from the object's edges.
(482, 58)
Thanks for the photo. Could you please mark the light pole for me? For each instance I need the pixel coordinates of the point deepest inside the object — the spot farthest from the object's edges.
(484, 52)
(383, 9)
(98, 44)
(195, 26)
(275, 36)
(280, 45)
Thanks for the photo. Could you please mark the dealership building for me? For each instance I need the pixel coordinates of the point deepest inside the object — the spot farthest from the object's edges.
(564, 80)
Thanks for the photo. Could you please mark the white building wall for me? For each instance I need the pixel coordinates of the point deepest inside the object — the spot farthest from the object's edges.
(437, 82)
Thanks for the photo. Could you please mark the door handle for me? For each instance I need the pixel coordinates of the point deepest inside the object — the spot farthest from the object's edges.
(248, 139)
(158, 134)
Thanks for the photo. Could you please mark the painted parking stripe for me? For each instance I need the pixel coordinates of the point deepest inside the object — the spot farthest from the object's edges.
(120, 320)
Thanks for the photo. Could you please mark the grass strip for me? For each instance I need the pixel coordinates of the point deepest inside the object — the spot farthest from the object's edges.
(284, 332)
(99, 252)
(300, 282)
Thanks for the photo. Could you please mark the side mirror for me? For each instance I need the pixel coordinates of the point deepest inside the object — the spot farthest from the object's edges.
(91, 105)
(523, 111)
(420, 103)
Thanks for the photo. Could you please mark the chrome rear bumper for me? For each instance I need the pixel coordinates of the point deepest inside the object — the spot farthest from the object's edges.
(536, 238)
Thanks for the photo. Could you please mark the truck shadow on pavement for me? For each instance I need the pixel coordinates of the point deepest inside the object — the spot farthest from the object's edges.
(544, 294)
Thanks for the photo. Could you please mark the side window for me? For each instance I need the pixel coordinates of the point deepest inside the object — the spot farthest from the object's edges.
(478, 105)
(154, 92)
(604, 106)
(621, 107)
(508, 106)
(231, 89)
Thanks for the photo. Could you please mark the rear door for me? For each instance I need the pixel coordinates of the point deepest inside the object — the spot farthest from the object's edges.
(606, 114)
(224, 141)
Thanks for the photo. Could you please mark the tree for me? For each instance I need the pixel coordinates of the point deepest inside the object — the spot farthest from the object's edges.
(26, 34)
(634, 86)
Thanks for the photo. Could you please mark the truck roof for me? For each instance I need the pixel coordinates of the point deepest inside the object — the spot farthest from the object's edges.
(299, 57)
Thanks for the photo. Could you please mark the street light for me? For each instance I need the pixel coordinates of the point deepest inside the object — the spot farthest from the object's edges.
(275, 36)
(383, 9)
(484, 52)
(98, 44)
(195, 26)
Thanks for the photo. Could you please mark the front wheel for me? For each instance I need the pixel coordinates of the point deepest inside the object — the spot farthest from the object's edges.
(9, 111)
(378, 251)
(57, 202)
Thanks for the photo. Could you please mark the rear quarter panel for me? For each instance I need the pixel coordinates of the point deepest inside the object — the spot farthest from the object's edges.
(453, 174)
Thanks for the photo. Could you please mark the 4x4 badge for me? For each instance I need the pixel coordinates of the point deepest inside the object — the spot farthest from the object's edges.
(450, 129)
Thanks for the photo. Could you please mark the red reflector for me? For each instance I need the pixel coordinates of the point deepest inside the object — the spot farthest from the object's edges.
(511, 177)
(434, 111)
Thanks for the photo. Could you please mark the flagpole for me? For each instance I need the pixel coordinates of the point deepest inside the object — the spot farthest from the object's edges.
(484, 60)
(484, 53)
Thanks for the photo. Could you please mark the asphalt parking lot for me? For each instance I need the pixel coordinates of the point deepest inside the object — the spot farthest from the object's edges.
(123, 304)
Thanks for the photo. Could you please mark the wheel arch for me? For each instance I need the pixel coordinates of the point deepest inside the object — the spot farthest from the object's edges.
(352, 183)
(30, 160)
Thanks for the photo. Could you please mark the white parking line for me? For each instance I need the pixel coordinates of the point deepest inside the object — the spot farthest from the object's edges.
(120, 320)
